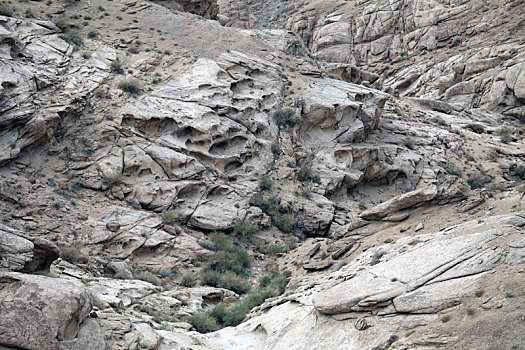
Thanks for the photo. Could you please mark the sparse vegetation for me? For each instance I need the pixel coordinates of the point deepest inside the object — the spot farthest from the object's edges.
(113, 178)
(305, 174)
(505, 134)
(149, 277)
(73, 36)
(245, 227)
(116, 66)
(276, 150)
(132, 86)
(410, 142)
(123, 275)
(287, 118)
(275, 249)
(445, 318)
(188, 280)
(265, 183)
(6, 10)
(270, 285)
(72, 253)
(228, 266)
(272, 207)
(454, 170)
(169, 216)
(520, 171)
(478, 180)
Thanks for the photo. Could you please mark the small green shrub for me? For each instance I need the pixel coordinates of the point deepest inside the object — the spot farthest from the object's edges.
(505, 134)
(445, 318)
(188, 280)
(276, 150)
(130, 85)
(149, 277)
(232, 281)
(284, 222)
(123, 275)
(71, 253)
(169, 216)
(211, 278)
(305, 174)
(286, 117)
(478, 180)
(113, 178)
(6, 10)
(203, 322)
(62, 23)
(410, 142)
(245, 227)
(116, 66)
(272, 207)
(228, 266)
(73, 36)
(454, 170)
(269, 286)
(275, 249)
(86, 55)
(265, 183)
(520, 171)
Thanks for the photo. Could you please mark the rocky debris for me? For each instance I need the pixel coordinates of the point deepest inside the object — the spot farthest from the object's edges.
(401, 202)
(19, 252)
(40, 312)
(206, 8)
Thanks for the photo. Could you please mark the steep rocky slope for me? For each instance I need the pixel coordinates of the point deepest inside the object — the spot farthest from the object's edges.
(365, 160)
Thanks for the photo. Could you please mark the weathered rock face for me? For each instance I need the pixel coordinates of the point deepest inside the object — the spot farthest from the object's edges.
(40, 312)
(31, 56)
(369, 33)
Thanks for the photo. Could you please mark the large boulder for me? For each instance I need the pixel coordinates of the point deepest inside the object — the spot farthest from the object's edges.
(39, 312)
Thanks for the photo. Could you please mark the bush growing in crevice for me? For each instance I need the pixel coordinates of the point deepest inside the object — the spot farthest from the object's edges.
(132, 86)
(228, 266)
(271, 285)
(245, 227)
(272, 207)
(265, 183)
(72, 254)
(478, 180)
(505, 134)
(287, 118)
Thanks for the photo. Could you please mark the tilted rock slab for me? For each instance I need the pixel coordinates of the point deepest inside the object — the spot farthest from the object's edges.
(434, 265)
(403, 201)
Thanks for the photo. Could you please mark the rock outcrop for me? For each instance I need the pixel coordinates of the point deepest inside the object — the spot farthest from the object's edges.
(33, 66)
(39, 312)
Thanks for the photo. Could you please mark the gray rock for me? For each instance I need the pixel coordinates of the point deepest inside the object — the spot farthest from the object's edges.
(40, 312)
(401, 202)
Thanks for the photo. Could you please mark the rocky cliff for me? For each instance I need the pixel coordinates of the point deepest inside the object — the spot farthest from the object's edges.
(262, 175)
